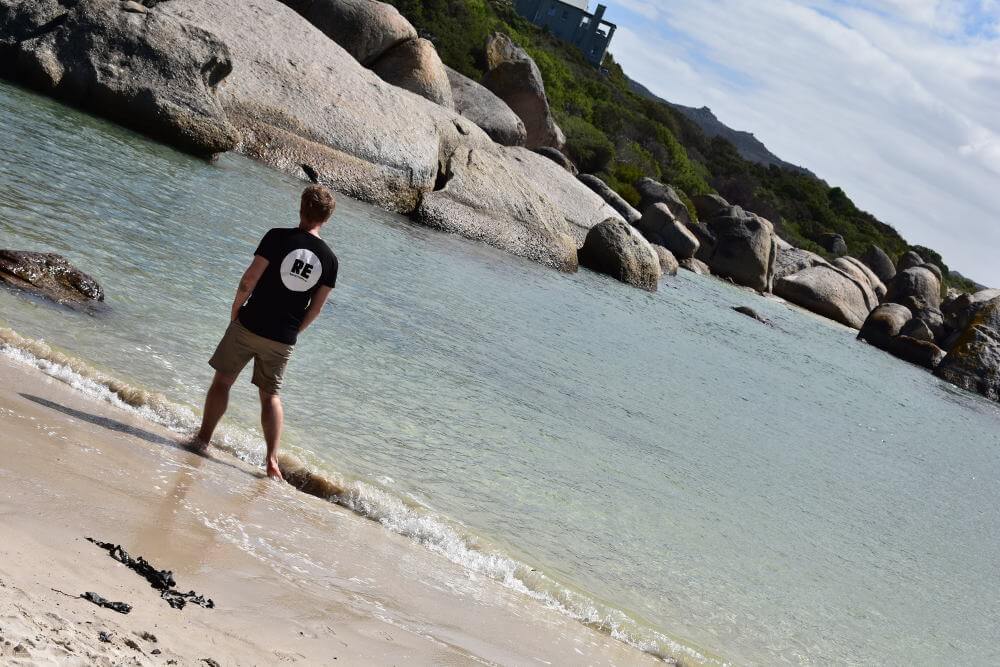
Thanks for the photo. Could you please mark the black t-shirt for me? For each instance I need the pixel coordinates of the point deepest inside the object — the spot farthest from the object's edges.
(298, 263)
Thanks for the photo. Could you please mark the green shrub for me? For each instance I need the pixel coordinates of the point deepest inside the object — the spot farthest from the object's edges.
(587, 146)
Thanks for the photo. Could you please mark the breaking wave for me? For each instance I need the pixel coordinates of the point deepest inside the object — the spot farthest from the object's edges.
(369, 500)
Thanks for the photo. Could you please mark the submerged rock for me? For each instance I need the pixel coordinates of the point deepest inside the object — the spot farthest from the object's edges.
(515, 78)
(974, 362)
(613, 247)
(750, 312)
(48, 275)
(415, 66)
(613, 199)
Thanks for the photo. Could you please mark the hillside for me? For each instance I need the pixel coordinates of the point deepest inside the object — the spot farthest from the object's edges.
(622, 135)
(747, 145)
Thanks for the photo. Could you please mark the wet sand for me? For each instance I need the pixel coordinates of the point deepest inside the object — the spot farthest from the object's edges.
(295, 579)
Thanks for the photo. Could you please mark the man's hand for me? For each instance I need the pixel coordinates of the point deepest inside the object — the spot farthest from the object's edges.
(247, 284)
(315, 305)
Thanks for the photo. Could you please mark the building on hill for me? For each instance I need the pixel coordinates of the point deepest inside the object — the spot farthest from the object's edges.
(570, 21)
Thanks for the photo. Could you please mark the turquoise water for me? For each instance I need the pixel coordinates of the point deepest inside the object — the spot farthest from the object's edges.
(656, 464)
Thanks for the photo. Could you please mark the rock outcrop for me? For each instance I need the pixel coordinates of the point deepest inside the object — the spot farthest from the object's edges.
(478, 103)
(364, 28)
(974, 362)
(660, 226)
(653, 192)
(885, 323)
(613, 199)
(415, 66)
(514, 77)
(614, 248)
(880, 263)
(959, 311)
(828, 291)
(917, 329)
(48, 275)
(153, 72)
(745, 249)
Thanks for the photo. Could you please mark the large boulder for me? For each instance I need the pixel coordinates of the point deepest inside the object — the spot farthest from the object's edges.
(921, 352)
(708, 206)
(365, 28)
(478, 103)
(859, 270)
(793, 260)
(974, 362)
(918, 329)
(695, 265)
(909, 260)
(516, 200)
(916, 287)
(48, 275)
(613, 199)
(828, 291)
(613, 247)
(833, 243)
(559, 158)
(660, 226)
(745, 249)
(880, 263)
(151, 71)
(415, 66)
(653, 192)
(884, 323)
(668, 263)
(514, 77)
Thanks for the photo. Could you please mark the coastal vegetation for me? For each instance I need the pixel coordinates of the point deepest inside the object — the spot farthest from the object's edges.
(621, 136)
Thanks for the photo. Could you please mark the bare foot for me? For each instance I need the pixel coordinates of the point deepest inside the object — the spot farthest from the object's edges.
(273, 471)
(196, 444)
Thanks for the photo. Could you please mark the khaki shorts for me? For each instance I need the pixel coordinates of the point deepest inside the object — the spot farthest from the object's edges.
(240, 345)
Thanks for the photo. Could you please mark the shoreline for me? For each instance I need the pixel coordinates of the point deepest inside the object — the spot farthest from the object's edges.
(45, 415)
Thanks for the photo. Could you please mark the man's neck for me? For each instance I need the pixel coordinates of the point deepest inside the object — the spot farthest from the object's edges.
(310, 229)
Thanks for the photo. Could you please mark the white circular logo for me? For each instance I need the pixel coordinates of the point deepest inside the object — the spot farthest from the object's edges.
(300, 270)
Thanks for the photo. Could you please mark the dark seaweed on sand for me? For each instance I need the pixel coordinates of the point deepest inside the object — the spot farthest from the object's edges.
(161, 580)
(101, 601)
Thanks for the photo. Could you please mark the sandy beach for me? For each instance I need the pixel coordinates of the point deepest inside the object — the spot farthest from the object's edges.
(294, 579)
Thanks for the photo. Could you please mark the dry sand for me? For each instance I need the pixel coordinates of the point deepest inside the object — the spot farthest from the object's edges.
(295, 579)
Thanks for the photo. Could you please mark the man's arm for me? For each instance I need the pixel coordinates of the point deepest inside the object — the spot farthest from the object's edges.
(318, 299)
(247, 283)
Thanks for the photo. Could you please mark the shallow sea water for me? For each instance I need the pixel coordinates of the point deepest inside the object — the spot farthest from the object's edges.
(656, 464)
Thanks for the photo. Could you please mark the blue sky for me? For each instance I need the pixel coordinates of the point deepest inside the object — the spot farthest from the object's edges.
(896, 101)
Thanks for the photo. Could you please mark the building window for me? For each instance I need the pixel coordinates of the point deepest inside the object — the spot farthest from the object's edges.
(552, 11)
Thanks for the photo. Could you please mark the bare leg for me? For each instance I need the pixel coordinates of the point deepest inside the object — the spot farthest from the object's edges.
(216, 403)
(272, 418)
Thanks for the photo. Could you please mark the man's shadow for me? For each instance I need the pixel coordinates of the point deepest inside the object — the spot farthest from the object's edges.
(127, 429)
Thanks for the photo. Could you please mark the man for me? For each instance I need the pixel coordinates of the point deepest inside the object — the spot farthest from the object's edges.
(280, 294)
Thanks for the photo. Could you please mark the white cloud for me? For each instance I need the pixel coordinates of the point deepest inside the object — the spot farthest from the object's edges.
(897, 101)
